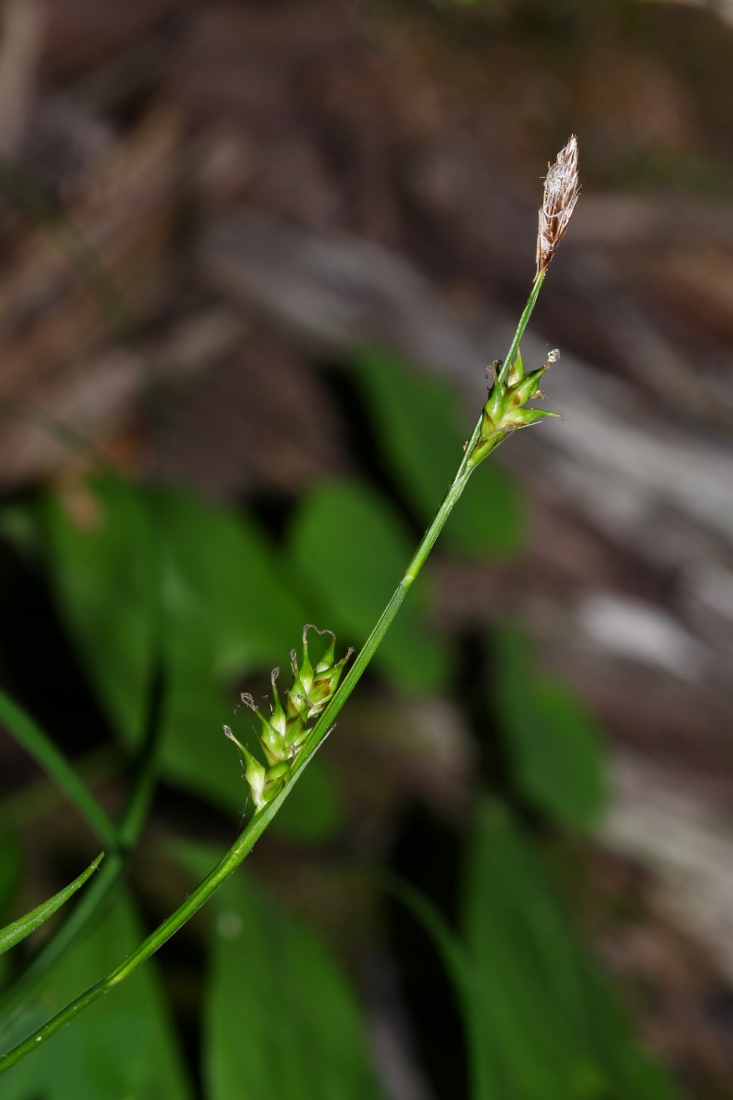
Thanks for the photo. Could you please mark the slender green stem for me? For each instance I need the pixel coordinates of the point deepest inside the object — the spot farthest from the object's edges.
(257, 825)
(38, 745)
(523, 321)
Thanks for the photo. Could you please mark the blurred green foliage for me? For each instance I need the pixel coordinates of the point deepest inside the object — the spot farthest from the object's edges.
(279, 1017)
(541, 1021)
(553, 743)
(104, 570)
(551, 1028)
(315, 811)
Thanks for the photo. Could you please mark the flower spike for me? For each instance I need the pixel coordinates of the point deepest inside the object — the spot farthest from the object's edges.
(283, 735)
(562, 189)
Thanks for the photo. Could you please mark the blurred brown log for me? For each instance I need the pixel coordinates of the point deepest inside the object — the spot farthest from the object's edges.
(22, 33)
(54, 319)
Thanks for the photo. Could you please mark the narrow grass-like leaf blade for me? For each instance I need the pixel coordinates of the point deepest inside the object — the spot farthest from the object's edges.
(19, 929)
(38, 745)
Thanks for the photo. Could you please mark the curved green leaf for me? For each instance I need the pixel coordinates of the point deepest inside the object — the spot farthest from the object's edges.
(19, 929)
(38, 745)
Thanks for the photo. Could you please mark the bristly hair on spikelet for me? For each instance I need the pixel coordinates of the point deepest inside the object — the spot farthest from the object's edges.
(562, 188)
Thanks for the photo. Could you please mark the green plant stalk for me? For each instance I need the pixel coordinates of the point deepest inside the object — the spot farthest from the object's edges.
(523, 320)
(257, 825)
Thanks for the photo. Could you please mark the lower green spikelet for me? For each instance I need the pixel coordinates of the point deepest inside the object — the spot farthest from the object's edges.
(284, 733)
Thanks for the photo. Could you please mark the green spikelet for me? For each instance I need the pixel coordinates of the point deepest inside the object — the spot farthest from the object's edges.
(271, 738)
(516, 371)
(328, 672)
(494, 408)
(313, 687)
(522, 418)
(504, 410)
(264, 784)
(303, 675)
(278, 718)
(524, 390)
(283, 735)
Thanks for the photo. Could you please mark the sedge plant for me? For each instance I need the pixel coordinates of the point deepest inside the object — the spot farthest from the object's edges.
(294, 730)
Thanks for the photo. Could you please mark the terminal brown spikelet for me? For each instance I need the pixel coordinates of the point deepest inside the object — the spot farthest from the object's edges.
(562, 188)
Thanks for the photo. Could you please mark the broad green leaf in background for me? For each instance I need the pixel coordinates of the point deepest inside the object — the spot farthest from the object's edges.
(524, 962)
(545, 1010)
(418, 422)
(280, 1019)
(141, 572)
(19, 929)
(554, 746)
(121, 1047)
(194, 752)
(220, 574)
(541, 1020)
(314, 811)
(101, 555)
(351, 548)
